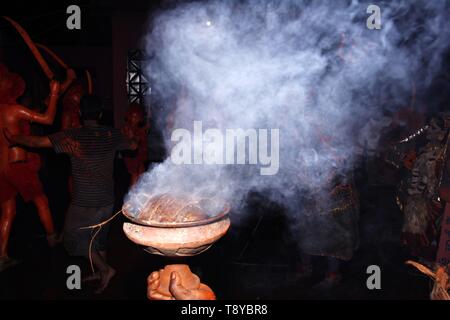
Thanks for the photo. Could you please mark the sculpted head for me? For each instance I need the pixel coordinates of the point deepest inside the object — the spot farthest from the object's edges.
(12, 85)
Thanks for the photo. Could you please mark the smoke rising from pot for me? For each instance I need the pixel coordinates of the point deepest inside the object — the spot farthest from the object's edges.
(311, 69)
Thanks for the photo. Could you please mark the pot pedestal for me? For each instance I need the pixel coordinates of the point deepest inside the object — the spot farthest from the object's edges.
(188, 279)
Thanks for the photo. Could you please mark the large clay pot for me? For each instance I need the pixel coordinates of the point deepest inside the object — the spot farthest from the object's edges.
(174, 242)
(175, 238)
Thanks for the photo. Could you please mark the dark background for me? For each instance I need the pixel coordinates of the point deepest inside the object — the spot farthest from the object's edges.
(255, 260)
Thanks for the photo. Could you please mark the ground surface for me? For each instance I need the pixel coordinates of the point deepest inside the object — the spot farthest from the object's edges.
(253, 261)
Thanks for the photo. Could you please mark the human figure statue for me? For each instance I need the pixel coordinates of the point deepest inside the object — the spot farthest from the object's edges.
(136, 129)
(18, 167)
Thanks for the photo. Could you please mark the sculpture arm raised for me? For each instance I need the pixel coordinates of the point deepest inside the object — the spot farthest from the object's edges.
(49, 115)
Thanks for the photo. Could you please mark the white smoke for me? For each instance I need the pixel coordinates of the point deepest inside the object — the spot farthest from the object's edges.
(311, 69)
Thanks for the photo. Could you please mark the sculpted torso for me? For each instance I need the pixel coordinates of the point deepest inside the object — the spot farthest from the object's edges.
(10, 118)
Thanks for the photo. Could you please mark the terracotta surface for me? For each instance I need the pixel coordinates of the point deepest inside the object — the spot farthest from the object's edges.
(136, 128)
(15, 159)
(440, 277)
(185, 241)
(188, 279)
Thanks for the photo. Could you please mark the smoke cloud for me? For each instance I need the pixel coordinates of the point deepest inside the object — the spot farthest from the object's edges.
(311, 69)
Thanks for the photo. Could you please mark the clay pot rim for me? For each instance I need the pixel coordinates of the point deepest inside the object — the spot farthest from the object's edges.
(220, 216)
